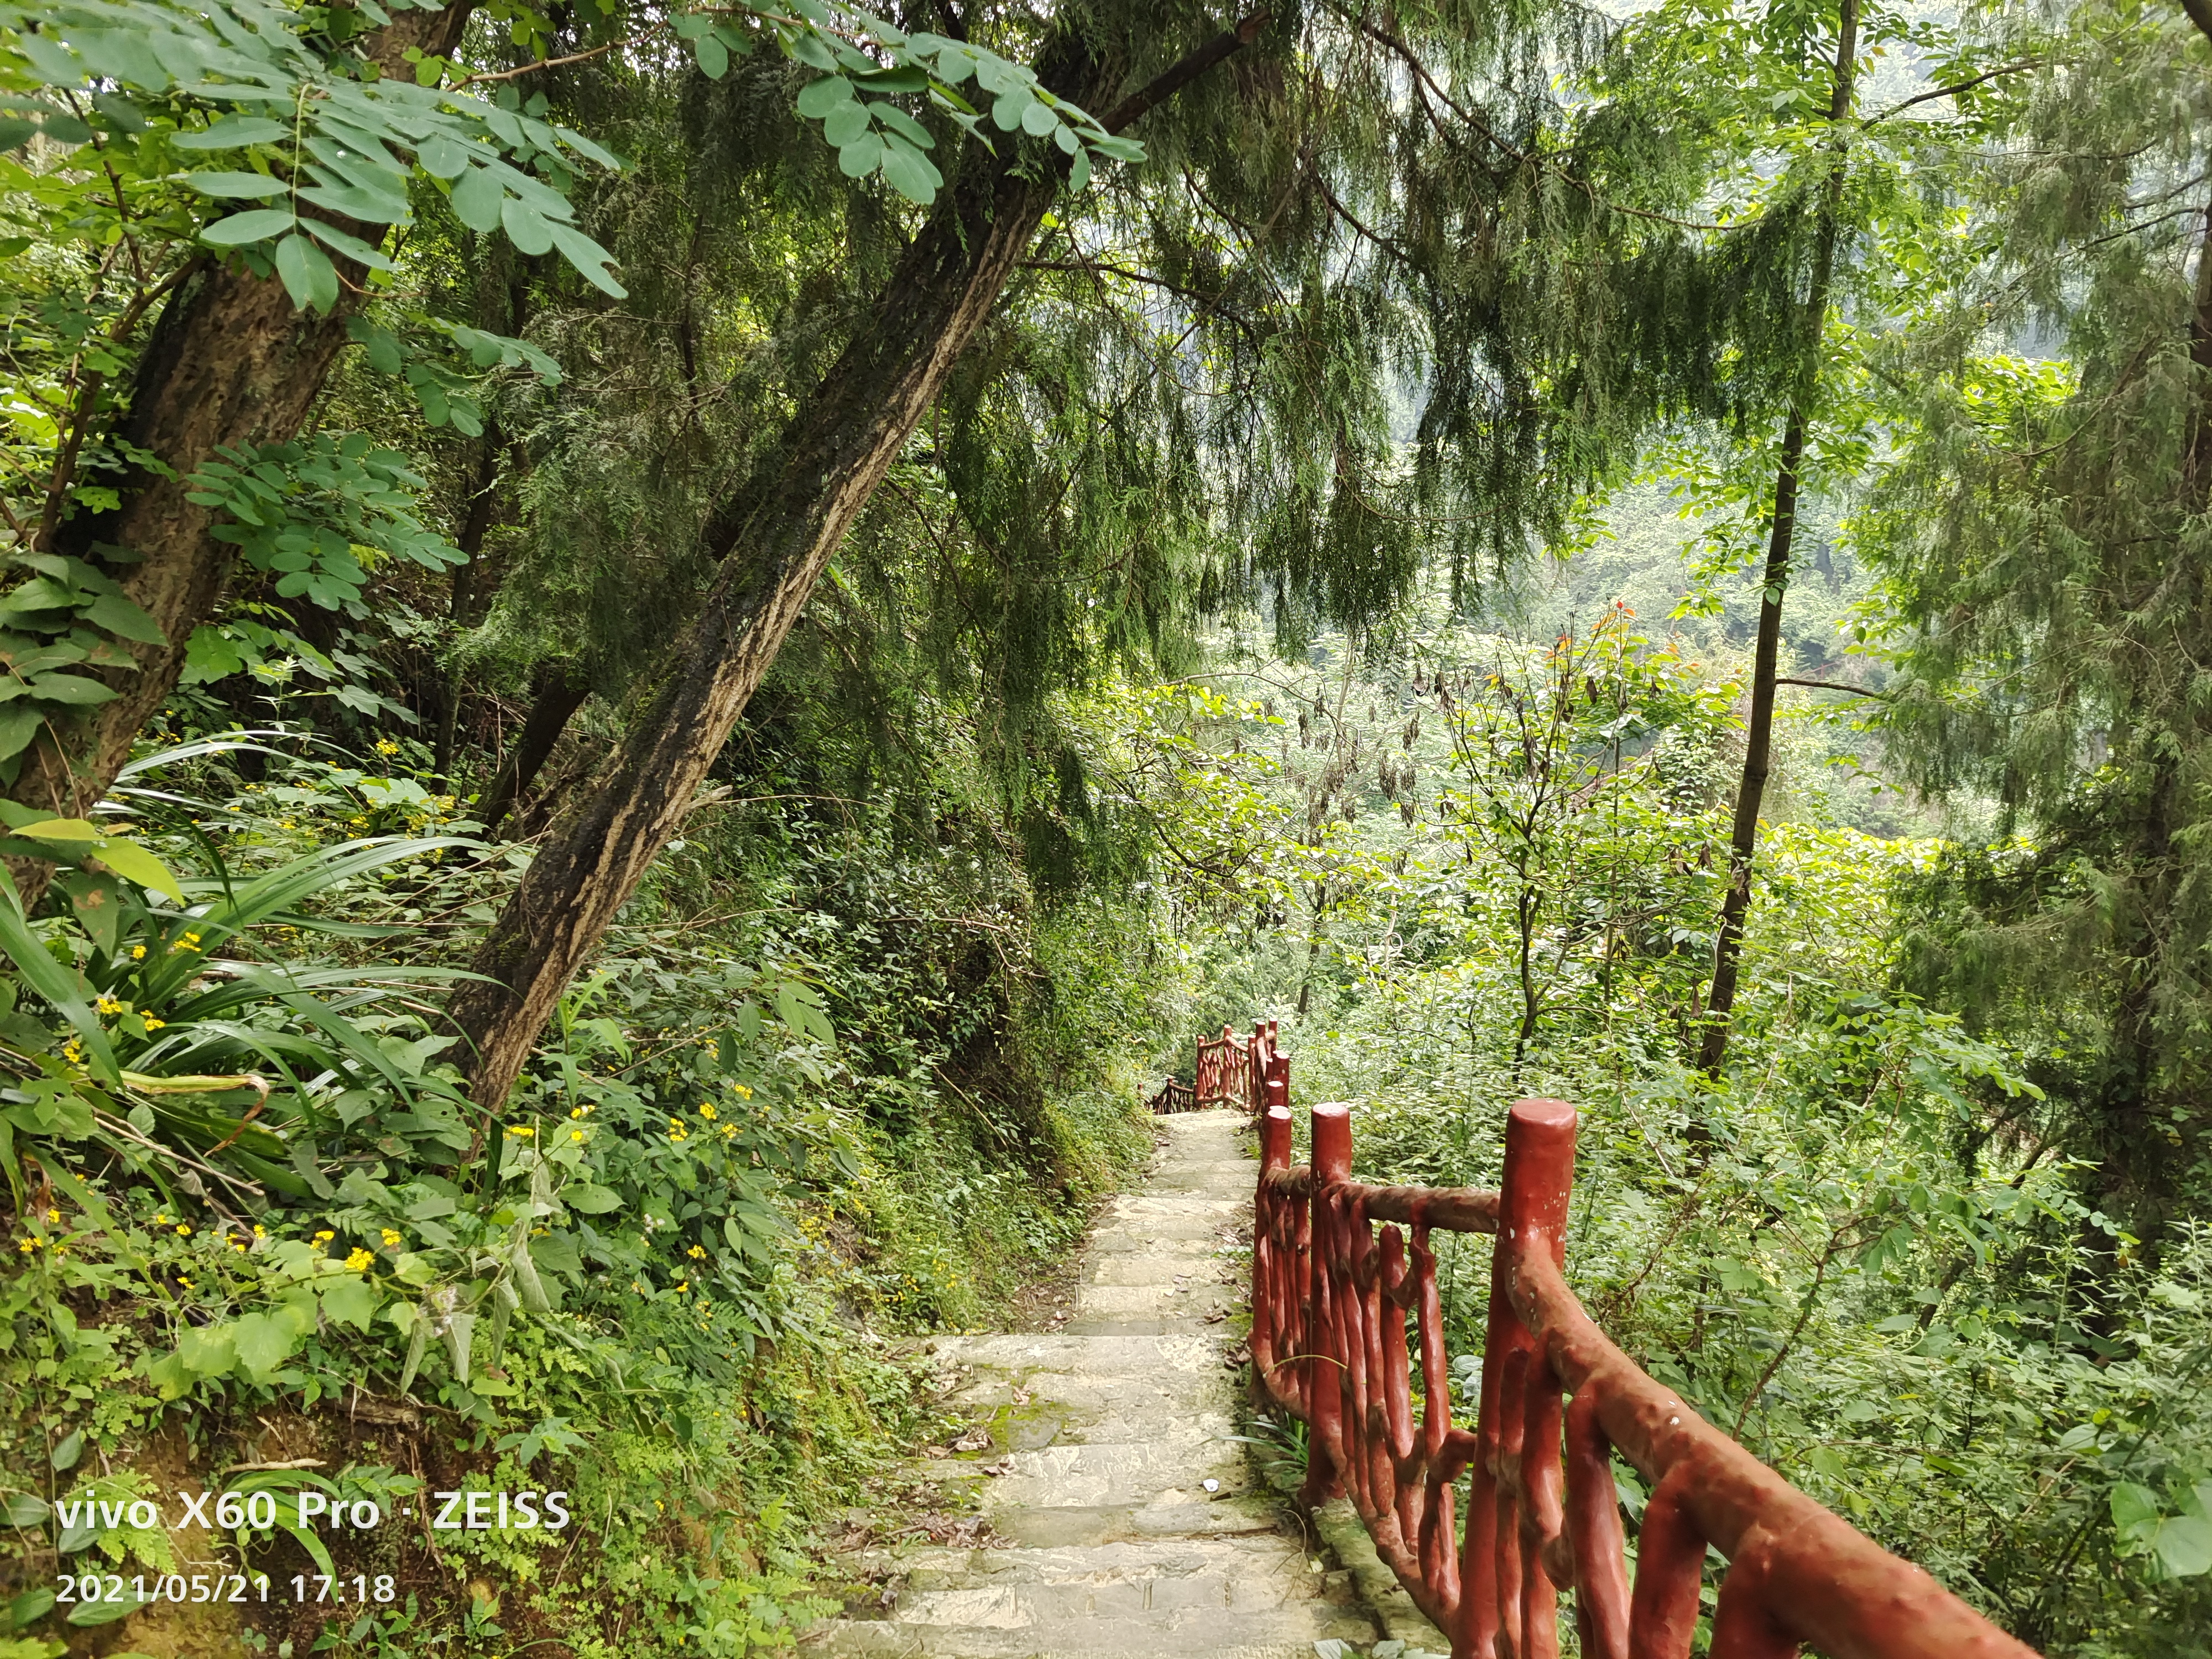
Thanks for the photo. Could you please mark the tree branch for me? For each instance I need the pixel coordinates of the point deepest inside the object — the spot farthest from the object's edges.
(1178, 76)
(1830, 686)
(1962, 86)
(2200, 13)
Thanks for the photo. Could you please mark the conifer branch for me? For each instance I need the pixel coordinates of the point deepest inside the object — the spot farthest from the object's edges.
(1180, 74)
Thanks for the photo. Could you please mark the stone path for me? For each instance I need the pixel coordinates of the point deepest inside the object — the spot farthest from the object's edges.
(1124, 1518)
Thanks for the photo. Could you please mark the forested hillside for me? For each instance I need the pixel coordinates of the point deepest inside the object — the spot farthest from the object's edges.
(660, 657)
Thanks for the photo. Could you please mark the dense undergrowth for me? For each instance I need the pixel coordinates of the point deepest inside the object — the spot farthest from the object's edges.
(832, 1083)
(1865, 1249)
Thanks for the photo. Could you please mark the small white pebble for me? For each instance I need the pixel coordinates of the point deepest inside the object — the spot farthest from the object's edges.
(1212, 1485)
(1672, 1421)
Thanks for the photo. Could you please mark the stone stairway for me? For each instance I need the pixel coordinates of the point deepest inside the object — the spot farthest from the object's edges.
(1123, 1517)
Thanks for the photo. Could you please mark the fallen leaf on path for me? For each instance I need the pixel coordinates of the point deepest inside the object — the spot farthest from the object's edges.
(974, 1440)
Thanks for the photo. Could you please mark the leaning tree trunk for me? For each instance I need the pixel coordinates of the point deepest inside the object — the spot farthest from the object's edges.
(835, 452)
(230, 361)
(1759, 733)
(557, 691)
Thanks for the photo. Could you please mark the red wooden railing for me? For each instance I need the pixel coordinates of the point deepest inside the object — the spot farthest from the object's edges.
(1330, 1298)
(1231, 1070)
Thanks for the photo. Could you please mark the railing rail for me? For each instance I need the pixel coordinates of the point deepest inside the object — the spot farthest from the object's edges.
(1330, 1302)
(1232, 1070)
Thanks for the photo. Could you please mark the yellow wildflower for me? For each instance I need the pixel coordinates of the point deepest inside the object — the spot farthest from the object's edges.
(359, 1259)
(521, 1130)
(707, 1112)
(53, 1214)
(387, 747)
(741, 1091)
(576, 1134)
(151, 1023)
(325, 1236)
(138, 953)
(391, 1240)
(183, 1232)
(696, 1253)
(108, 1005)
(681, 1286)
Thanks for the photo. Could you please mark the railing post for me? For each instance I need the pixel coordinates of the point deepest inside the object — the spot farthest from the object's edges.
(1332, 1162)
(1498, 1590)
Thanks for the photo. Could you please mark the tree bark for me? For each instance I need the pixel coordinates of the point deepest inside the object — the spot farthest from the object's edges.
(834, 454)
(555, 698)
(230, 361)
(1759, 733)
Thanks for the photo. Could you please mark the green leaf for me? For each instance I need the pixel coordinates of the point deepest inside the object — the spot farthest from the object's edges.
(910, 173)
(61, 829)
(308, 275)
(862, 156)
(17, 728)
(86, 1613)
(477, 199)
(231, 187)
(25, 1508)
(587, 257)
(2132, 1506)
(443, 158)
(382, 345)
(65, 1456)
(590, 1199)
(29, 1608)
(1078, 171)
(62, 987)
(845, 123)
(240, 228)
(96, 902)
(70, 689)
(1039, 119)
(817, 98)
(209, 1350)
(713, 57)
(124, 619)
(2183, 1544)
(527, 228)
(352, 202)
(134, 863)
(265, 1341)
(232, 132)
(350, 1299)
(348, 244)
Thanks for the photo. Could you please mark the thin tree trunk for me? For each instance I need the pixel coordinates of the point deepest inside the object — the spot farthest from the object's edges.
(461, 610)
(836, 449)
(555, 699)
(229, 361)
(1758, 735)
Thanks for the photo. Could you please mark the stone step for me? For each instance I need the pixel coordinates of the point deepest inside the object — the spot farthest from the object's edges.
(1026, 1353)
(1162, 1269)
(1115, 1561)
(1190, 1302)
(1009, 1622)
(1122, 1472)
(1168, 1233)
